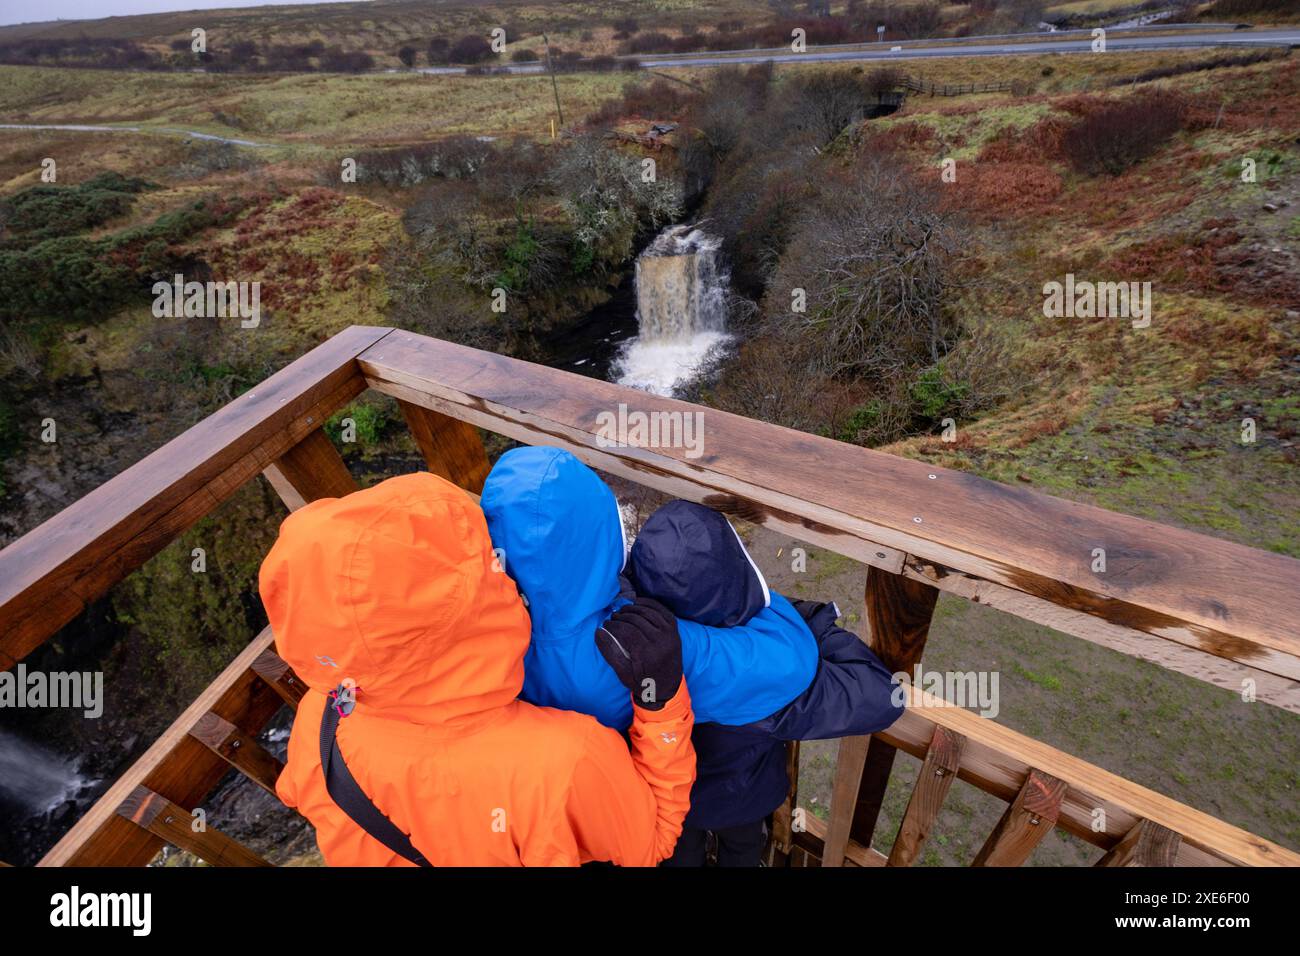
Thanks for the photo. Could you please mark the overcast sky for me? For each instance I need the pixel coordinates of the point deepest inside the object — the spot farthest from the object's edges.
(29, 11)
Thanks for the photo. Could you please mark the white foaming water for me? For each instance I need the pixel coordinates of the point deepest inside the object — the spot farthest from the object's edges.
(681, 308)
(34, 777)
(663, 367)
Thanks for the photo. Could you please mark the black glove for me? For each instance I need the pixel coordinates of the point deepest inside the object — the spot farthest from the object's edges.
(640, 641)
(817, 615)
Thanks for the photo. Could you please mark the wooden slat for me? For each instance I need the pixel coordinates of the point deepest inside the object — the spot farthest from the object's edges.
(844, 798)
(240, 750)
(49, 575)
(177, 767)
(898, 614)
(1147, 844)
(280, 676)
(310, 470)
(452, 448)
(167, 821)
(1215, 596)
(1024, 824)
(997, 759)
(938, 771)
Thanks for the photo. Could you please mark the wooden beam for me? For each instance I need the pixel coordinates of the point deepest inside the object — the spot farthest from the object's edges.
(1281, 692)
(310, 470)
(898, 617)
(48, 576)
(1215, 596)
(938, 771)
(177, 767)
(240, 750)
(811, 842)
(1031, 816)
(452, 448)
(271, 667)
(1147, 844)
(175, 825)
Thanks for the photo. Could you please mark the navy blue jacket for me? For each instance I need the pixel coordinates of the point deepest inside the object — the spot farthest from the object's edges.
(689, 558)
(559, 534)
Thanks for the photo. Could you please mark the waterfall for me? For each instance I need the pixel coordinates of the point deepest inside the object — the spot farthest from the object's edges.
(681, 307)
(35, 778)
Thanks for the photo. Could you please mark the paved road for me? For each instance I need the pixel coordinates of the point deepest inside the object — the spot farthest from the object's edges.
(976, 46)
(164, 130)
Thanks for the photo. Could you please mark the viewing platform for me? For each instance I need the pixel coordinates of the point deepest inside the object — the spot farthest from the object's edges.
(1220, 612)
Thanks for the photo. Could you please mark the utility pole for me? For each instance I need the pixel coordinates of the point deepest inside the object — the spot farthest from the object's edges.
(555, 87)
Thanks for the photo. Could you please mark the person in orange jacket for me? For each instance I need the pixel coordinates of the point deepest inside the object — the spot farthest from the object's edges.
(389, 604)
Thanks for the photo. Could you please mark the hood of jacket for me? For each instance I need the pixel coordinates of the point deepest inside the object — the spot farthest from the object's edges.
(558, 533)
(395, 588)
(691, 559)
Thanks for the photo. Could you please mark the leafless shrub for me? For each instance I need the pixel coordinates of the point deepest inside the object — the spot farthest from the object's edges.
(822, 104)
(17, 352)
(455, 157)
(876, 260)
(1123, 132)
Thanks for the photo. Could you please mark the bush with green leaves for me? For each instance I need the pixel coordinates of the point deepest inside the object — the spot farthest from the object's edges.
(49, 211)
(73, 277)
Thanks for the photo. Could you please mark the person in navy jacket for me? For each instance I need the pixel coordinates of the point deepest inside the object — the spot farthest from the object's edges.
(558, 533)
(689, 558)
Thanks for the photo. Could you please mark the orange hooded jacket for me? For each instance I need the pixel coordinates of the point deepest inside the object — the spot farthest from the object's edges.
(397, 588)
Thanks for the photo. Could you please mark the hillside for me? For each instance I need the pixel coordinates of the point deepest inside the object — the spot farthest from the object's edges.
(1145, 421)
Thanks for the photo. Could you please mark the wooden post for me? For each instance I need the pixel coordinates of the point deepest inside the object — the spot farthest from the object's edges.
(899, 610)
(1029, 818)
(175, 824)
(310, 470)
(1146, 844)
(555, 87)
(280, 676)
(451, 448)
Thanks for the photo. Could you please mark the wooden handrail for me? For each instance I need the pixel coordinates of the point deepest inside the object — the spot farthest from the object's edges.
(1220, 599)
(50, 574)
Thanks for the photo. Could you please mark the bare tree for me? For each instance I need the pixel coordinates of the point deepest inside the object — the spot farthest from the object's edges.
(876, 260)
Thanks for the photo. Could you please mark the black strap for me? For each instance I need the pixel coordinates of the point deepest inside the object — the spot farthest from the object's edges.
(347, 793)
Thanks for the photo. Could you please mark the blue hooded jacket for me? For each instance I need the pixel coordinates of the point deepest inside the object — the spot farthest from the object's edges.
(689, 558)
(561, 532)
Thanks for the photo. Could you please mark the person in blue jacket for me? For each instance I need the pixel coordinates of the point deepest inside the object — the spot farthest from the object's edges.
(558, 532)
(690, 559)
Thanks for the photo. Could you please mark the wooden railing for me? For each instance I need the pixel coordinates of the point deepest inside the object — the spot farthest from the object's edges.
(1219, 611)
